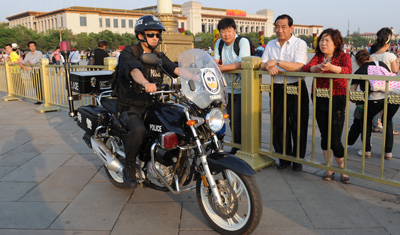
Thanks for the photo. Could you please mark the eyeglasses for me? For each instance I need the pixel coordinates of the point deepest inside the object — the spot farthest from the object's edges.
(151, 35)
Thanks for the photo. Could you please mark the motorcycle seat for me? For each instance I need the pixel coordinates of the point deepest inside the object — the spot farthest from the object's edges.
(110, 103)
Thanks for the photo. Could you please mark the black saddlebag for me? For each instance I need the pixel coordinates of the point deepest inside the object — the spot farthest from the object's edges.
(90, 117)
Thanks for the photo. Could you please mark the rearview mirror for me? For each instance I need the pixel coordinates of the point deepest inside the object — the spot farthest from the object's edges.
(149, 59)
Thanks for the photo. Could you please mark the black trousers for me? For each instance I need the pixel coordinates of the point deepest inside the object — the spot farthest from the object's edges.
(237, 123)
(374, 107)
(37, 83)
(355, 131)
(338, 115)
(291, 120)
(136, 133)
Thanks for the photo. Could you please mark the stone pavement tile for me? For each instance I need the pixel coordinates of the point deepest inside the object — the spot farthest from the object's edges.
(67, 124)
(290, 175)
(29, 147)
(386, 212)
(361, 192)
(69, 148)
(5, 170)
(273, 185)
(305, 231)
(196, 232)
(322, 200)
(13, 191)
(36, 125)
(14, 141)
(284, 214)
(38, 168)
(84, 159)
(101, 176)
(152, 195)
(63, 185)
(51, 232)
(29, 215)
(97, 207)
(192, 218)
(15, 158)
(149, 218)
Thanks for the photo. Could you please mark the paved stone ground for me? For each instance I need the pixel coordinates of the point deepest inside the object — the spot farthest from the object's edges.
(51, 183)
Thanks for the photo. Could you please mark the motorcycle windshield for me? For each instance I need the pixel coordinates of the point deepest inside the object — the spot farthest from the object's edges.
(202, 81)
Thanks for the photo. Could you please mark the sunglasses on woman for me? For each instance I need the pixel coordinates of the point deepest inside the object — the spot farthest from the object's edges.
(151, 35)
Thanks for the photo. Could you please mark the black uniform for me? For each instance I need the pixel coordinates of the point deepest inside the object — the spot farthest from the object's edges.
(132, 100)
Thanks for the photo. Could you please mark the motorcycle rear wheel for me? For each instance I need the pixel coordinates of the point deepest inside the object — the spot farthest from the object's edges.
(115, 177)
(242, 203)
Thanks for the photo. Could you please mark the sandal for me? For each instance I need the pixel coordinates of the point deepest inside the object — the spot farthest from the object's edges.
(327, 176)
(345, 179)
(388, 156)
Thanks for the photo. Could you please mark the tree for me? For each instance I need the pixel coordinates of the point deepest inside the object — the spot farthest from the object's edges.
(307, 38)
(357, 40)
(207, 40)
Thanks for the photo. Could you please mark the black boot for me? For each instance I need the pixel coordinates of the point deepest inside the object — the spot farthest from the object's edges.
(130, 176)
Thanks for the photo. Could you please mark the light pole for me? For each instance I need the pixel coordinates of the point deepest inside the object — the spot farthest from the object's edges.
(60, 31)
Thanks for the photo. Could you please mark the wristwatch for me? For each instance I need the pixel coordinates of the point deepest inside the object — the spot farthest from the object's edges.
(278, 61)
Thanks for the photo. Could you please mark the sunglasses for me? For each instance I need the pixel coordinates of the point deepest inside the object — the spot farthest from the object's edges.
(151, 35)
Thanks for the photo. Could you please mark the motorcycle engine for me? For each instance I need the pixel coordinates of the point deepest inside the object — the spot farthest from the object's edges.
(165, 171)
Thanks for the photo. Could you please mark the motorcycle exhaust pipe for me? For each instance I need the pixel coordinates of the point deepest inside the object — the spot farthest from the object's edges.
(106, 156)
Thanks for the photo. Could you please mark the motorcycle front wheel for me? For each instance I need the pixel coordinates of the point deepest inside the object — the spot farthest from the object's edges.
(242, 203)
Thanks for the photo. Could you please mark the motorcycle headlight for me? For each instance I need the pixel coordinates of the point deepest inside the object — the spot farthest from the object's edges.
(215, 119)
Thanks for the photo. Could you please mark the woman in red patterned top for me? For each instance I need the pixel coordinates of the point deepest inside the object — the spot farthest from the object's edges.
(330, 58)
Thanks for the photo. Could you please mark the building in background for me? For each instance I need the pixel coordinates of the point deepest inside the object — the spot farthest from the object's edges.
(372, 36)
(191, 16)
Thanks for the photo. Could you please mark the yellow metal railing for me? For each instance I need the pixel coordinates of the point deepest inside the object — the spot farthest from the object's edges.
(257, 95)
(3, 80)
(58, 85)
(44, 83)
(257, 125)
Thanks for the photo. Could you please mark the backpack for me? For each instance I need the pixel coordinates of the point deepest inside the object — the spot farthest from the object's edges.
(236, 48)
(259, 53)
(380, 85)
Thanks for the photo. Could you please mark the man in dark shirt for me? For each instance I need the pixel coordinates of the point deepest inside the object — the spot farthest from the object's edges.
(100, 53)
(132, 77)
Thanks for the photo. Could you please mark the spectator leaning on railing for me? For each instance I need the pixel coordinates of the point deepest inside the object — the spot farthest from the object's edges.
(13, 57)
(287, 53)
(376, 102)
(33, 58)
(330, 58)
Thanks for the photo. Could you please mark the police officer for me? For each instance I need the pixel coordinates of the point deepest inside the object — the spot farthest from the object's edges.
(132, 77)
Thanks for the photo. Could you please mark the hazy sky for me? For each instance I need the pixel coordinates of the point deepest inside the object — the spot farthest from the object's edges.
(366, 15)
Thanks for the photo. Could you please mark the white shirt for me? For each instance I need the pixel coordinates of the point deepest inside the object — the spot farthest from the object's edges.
(293, 50)
(386, 58)
(229, 57)
(74, 57)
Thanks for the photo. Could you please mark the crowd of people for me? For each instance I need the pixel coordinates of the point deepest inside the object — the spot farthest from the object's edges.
(289, 53)
(76, 57)
(286, 53)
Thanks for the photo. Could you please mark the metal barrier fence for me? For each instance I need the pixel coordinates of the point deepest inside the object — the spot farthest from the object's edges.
(257, 135)
(58, 88)
(3, 80)
(258, 127)
(44, 83)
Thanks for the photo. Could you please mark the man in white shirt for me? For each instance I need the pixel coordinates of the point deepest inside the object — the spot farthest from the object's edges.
(287, 53)
(33, 58)
(228, 60)
(74, 57)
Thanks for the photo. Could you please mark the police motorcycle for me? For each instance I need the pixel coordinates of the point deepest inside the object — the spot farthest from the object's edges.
(182, 150)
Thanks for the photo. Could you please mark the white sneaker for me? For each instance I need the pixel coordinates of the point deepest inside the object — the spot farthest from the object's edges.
(367, 154)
